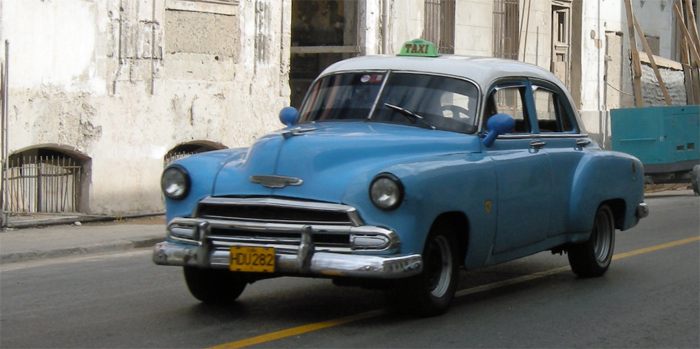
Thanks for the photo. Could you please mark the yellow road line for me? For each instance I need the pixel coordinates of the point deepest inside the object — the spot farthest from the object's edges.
(370, 314)
(299, 330)
(656, 248)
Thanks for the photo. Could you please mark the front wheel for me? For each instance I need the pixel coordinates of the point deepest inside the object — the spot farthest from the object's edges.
(695, 179)
(592, 258)
(431, 292)
(213, 285)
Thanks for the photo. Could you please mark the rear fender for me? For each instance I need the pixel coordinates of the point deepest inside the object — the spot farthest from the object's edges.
(601, 177)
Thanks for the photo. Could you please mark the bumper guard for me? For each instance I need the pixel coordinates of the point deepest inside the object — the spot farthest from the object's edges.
(305, 262)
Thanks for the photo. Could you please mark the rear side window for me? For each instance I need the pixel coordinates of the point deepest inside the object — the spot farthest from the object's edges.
(552, 116)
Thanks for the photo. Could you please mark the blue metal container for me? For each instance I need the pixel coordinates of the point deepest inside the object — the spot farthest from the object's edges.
(665, 139)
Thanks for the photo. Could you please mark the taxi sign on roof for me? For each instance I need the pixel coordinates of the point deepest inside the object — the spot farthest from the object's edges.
(418, 47)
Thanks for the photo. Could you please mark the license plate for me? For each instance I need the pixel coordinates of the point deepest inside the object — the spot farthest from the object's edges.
(252, 259)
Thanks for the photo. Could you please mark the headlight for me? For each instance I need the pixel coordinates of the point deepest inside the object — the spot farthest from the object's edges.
(386, 191)
(175, 182)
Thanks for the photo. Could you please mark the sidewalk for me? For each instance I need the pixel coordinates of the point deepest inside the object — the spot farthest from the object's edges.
(53, 236)
(60, 236)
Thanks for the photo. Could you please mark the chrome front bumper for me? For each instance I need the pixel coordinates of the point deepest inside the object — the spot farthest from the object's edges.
(305, 263)
(336, 245)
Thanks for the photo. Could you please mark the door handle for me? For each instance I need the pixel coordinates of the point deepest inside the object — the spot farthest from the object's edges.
(583, 142)
(537, 144)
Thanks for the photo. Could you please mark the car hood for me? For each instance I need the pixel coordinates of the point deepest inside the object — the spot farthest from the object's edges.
(321, 160)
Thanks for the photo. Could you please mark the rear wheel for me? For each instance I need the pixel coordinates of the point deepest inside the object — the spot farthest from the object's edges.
(431, 292)
(592, 258)
(695, 178)
(214, 285)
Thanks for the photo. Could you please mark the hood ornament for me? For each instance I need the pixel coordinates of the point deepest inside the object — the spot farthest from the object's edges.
(275, 182)
(297, 131)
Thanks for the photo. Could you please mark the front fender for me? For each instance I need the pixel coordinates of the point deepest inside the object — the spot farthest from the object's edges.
(451, 183)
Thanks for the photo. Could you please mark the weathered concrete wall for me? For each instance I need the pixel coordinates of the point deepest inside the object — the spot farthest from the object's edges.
(125, 81)
(406, 22)
(536, 47)
(474, 27)
(599, 18)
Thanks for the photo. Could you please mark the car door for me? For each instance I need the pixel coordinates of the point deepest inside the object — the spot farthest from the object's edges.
(523, 171)
(564, 144)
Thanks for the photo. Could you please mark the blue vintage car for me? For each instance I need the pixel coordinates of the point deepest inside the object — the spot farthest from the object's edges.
(395, 172)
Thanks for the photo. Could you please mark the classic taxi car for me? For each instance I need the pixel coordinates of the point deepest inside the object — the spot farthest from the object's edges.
(395, 172)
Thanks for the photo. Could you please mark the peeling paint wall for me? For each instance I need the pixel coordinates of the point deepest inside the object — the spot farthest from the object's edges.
(474, 27)
(125, 81)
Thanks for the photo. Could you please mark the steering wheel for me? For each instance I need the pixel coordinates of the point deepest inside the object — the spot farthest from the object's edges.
(457, 111)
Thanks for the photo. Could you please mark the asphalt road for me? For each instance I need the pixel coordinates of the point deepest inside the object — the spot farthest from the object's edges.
(650, 297)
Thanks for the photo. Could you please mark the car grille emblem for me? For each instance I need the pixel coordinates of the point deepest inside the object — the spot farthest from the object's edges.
(275, 182)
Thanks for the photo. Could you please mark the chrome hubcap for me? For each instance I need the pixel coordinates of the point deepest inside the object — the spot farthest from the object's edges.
(603, 231)
(439, 266)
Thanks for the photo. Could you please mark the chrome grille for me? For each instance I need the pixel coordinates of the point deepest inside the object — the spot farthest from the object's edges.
(277, 222)
(320, 238)
(267, 213)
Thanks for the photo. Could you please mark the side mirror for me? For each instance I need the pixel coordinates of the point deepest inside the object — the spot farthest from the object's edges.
(288, 115)
(498, 124)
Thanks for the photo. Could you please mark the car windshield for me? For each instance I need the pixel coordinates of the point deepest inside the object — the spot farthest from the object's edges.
(434, 102)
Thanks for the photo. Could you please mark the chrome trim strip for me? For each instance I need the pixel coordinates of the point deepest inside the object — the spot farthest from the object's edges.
(275, 182)
(561, 135)
(543, 135)
(295, 204)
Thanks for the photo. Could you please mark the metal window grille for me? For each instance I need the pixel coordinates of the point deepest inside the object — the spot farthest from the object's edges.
(45, 184)
(506, 39)
(440, 24)
(177, 155)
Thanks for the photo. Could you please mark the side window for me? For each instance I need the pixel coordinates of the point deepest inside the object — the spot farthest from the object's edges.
(508, 100)
(551, 115)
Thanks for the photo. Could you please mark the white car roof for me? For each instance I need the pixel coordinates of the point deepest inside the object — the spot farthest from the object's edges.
(481, 70)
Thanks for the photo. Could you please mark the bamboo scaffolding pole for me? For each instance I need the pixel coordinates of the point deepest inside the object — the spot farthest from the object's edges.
(4, 142)
(692, 45)
(684, 52)
(693, 49)
(636, 64)
(647, 49)
(692, 27)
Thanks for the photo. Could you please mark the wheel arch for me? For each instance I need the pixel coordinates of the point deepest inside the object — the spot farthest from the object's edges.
(619, 209)
(460, 223)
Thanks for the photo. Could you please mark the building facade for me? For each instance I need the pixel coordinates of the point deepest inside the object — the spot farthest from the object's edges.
(103, 93)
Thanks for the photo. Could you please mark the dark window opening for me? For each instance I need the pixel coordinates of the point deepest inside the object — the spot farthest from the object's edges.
(187, 149)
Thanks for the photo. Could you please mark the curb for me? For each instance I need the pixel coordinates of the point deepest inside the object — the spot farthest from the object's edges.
(35, 223)
(66, 220)
(667, 193)
(109, 246)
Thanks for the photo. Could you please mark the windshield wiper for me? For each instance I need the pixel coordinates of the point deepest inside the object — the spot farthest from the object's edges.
(411, 116)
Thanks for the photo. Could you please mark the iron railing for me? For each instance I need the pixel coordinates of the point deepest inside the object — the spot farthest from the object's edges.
(506, 36)
(440, 24)
(47, 184)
